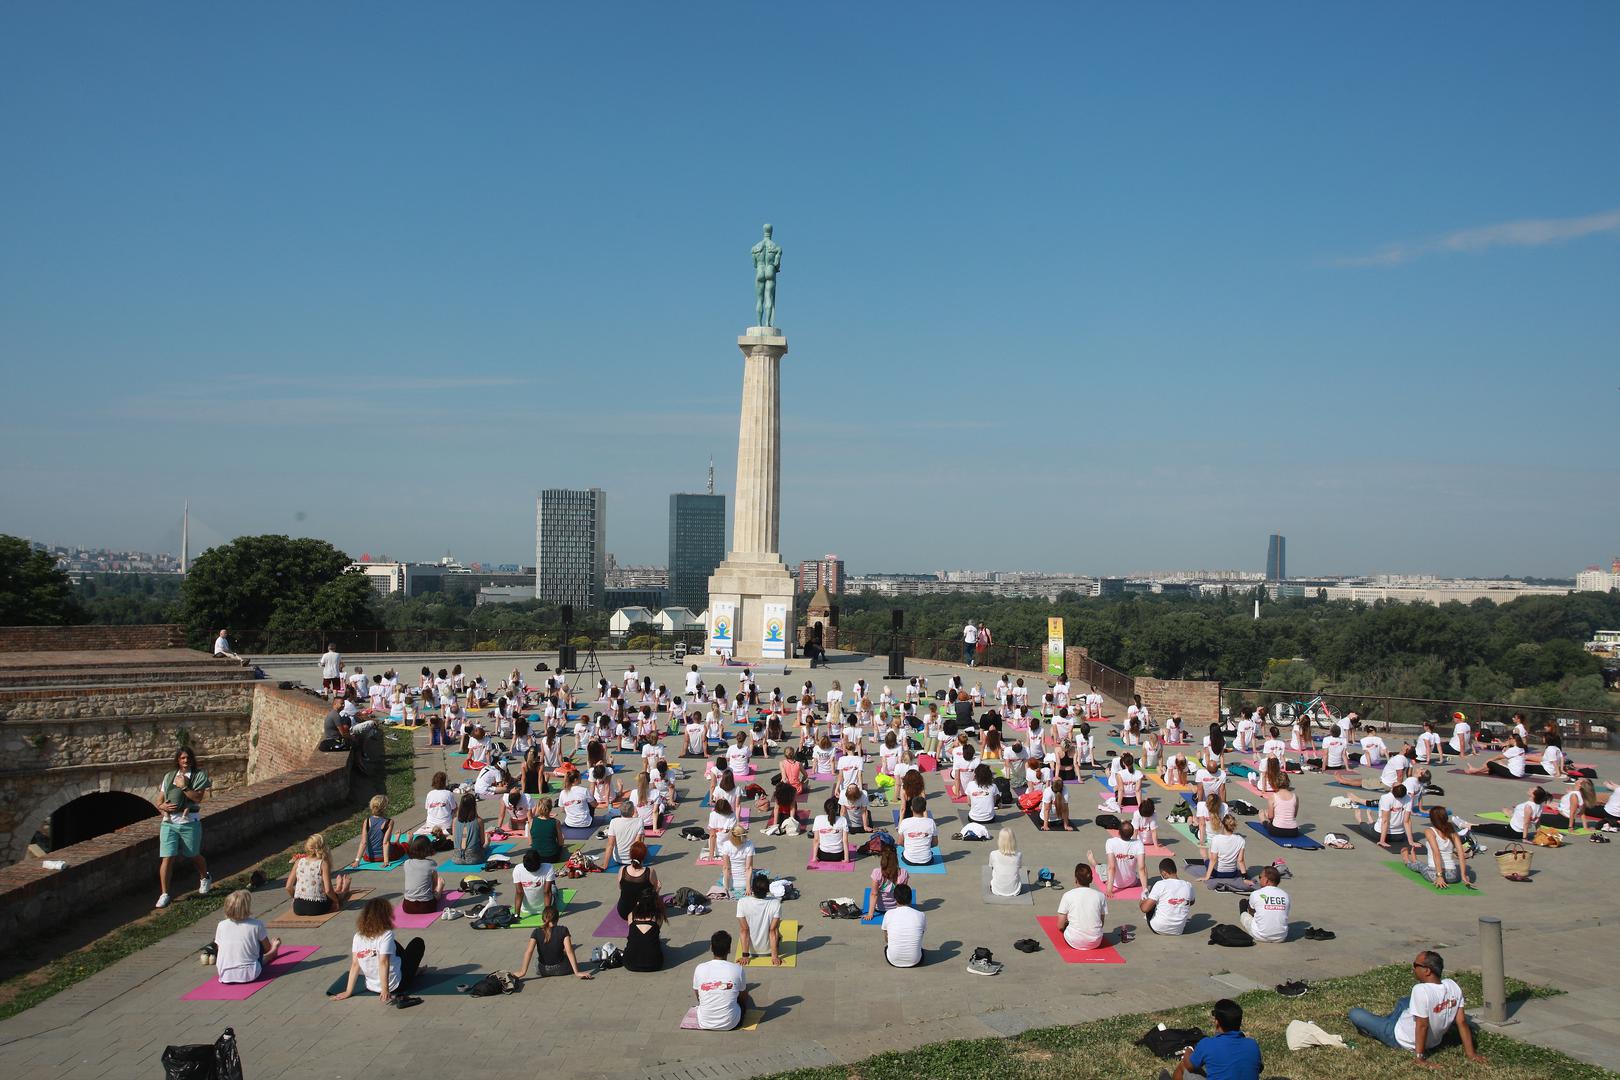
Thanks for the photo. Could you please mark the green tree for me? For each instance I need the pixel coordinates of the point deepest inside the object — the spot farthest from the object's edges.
(33, 592)
(247, 583)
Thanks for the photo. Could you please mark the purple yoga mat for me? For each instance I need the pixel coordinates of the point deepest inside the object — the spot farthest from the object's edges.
(214, 990)
(405, 920)
(614, 926)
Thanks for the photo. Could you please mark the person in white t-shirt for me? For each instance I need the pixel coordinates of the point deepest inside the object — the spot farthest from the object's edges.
(903, 929)
(1333, 748)
(533, 882)
(1392, 815)
(1082, 911)
(1373, 750)
(1430, 748)
(1422, 1019)
(1397, 768)
(829, 834)
(331, 670)
(1126, 867)
(1551, 760)
(387, 969)
(575, 803)
(1462, 735)
(917, 835)
(244, 947)
(1246, 728)
(1511, 762)
(1169, 903)
(1264, 912)
(1522, 822)
(721, 987)
(970, 642)
(440, 806)
(759, 921)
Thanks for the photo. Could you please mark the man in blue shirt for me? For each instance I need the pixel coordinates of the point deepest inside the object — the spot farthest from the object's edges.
(1227, 1055)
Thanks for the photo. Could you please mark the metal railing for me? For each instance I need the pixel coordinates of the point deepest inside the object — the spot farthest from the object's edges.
(1577, 726)
(455, 640)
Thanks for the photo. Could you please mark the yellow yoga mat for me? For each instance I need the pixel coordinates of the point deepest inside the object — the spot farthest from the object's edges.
(790, 948)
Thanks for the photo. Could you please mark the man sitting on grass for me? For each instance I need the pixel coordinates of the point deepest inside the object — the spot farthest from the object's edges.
(1227, 1055)
(1421, 1020)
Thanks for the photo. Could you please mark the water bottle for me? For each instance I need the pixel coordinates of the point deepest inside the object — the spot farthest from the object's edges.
(55, 864)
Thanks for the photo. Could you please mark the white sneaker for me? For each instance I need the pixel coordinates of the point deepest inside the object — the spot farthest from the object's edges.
(163, 901)
(207, 883)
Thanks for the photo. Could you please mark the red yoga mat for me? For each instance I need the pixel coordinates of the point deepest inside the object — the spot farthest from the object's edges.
(1105, 955)
(286, 959)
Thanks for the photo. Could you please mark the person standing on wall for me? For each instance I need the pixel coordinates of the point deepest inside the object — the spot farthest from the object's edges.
(180, 831)
(332, 670)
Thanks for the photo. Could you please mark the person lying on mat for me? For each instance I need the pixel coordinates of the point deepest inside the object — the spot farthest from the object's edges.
(388, 970)
(1391, 814)
(721, 987)
(1264, 912)
(1224, 851)
(1169, 902)
(1522, 822)
(1081, 912)
(244, 947)
(551, 945)
(759, 921)
(1447, 852)
(1512, 762)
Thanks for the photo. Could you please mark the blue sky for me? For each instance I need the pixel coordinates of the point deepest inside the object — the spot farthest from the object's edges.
(1079, 287)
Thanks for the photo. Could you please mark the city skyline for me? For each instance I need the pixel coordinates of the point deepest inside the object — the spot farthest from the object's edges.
(1163, 283)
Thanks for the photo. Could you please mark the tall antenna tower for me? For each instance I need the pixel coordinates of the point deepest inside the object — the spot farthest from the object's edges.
(185, 537)
(711, 474)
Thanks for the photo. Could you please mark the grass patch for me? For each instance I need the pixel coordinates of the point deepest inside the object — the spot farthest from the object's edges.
(1108, 1047)
(22, 992)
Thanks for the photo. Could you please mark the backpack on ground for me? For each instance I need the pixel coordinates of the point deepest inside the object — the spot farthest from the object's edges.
(693, 832)
(493, 917)
(607, 957)
(1247, 809)
(1004, 792)
(1168, 1042)
(686, 896)
(1108, 821)
(488, 986)
(1233, 937)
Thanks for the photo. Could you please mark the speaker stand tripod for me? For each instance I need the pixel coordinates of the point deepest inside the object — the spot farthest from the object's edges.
(590, 666)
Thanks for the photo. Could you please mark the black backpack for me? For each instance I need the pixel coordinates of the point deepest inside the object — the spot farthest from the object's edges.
(1233, 937)
(1108, 821)
(1169, 1042)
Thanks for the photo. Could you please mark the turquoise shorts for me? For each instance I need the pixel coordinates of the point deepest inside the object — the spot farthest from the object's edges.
(180, 841)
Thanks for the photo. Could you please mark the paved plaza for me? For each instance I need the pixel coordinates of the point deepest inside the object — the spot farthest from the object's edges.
(841, 1002)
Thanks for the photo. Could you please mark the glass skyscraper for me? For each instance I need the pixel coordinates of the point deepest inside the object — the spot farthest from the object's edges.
(570, 546)
(1277, 558)
(697, 545)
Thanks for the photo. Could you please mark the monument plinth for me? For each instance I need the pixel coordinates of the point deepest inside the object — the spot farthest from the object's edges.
(751, 593)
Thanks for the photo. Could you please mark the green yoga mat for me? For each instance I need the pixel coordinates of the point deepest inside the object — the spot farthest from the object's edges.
(1185, 831)
(1407, 872)
(566, 896)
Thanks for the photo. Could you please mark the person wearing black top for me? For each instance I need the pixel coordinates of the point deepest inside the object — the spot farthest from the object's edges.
(553, 947)
(643, 950)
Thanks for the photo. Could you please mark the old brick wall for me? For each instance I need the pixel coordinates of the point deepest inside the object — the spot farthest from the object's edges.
(287, 726)
(144, 699)
(33, 899)
(1197, 701)
(75, 638)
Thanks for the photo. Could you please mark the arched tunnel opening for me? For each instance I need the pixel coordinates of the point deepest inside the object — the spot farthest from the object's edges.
(92, 815)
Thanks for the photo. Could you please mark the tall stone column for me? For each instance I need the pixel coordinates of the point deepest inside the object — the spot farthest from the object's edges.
(753, 574)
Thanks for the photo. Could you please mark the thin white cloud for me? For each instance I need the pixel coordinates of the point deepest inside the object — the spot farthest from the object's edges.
(1531, 232)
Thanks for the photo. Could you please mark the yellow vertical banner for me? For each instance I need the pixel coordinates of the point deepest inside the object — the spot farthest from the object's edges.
(1054, 646)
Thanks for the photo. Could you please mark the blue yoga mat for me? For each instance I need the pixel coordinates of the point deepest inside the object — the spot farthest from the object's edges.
(652, 852)
(474, 868)
(935, 867)
(1303, 843)
(877, 918)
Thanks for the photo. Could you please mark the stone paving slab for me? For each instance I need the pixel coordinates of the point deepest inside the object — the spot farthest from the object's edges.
(842, 1002)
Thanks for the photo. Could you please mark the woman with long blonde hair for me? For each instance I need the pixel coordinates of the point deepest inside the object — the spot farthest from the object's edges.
(314, 889)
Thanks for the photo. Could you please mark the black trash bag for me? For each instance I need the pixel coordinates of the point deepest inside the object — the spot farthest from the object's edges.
(217, 1060)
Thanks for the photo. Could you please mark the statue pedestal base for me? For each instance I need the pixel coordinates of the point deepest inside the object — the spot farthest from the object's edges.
(750, 581)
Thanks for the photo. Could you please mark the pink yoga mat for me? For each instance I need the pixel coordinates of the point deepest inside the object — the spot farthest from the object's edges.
(1150, 851)
(831, 867)
(1105, 955)
(404, 920)
(214, 990)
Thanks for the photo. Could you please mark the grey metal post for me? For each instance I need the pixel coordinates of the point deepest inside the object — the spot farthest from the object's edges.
(1492, 971)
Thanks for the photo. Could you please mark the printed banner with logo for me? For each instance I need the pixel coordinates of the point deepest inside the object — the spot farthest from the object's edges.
(773, 636)
(1054, 646)
(722, 627)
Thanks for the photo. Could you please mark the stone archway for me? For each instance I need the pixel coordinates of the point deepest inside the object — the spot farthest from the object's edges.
(39, 799)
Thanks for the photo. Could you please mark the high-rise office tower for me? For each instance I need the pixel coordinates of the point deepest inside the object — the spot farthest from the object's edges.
(697, 546)
(1277, 558)
(570, 546)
